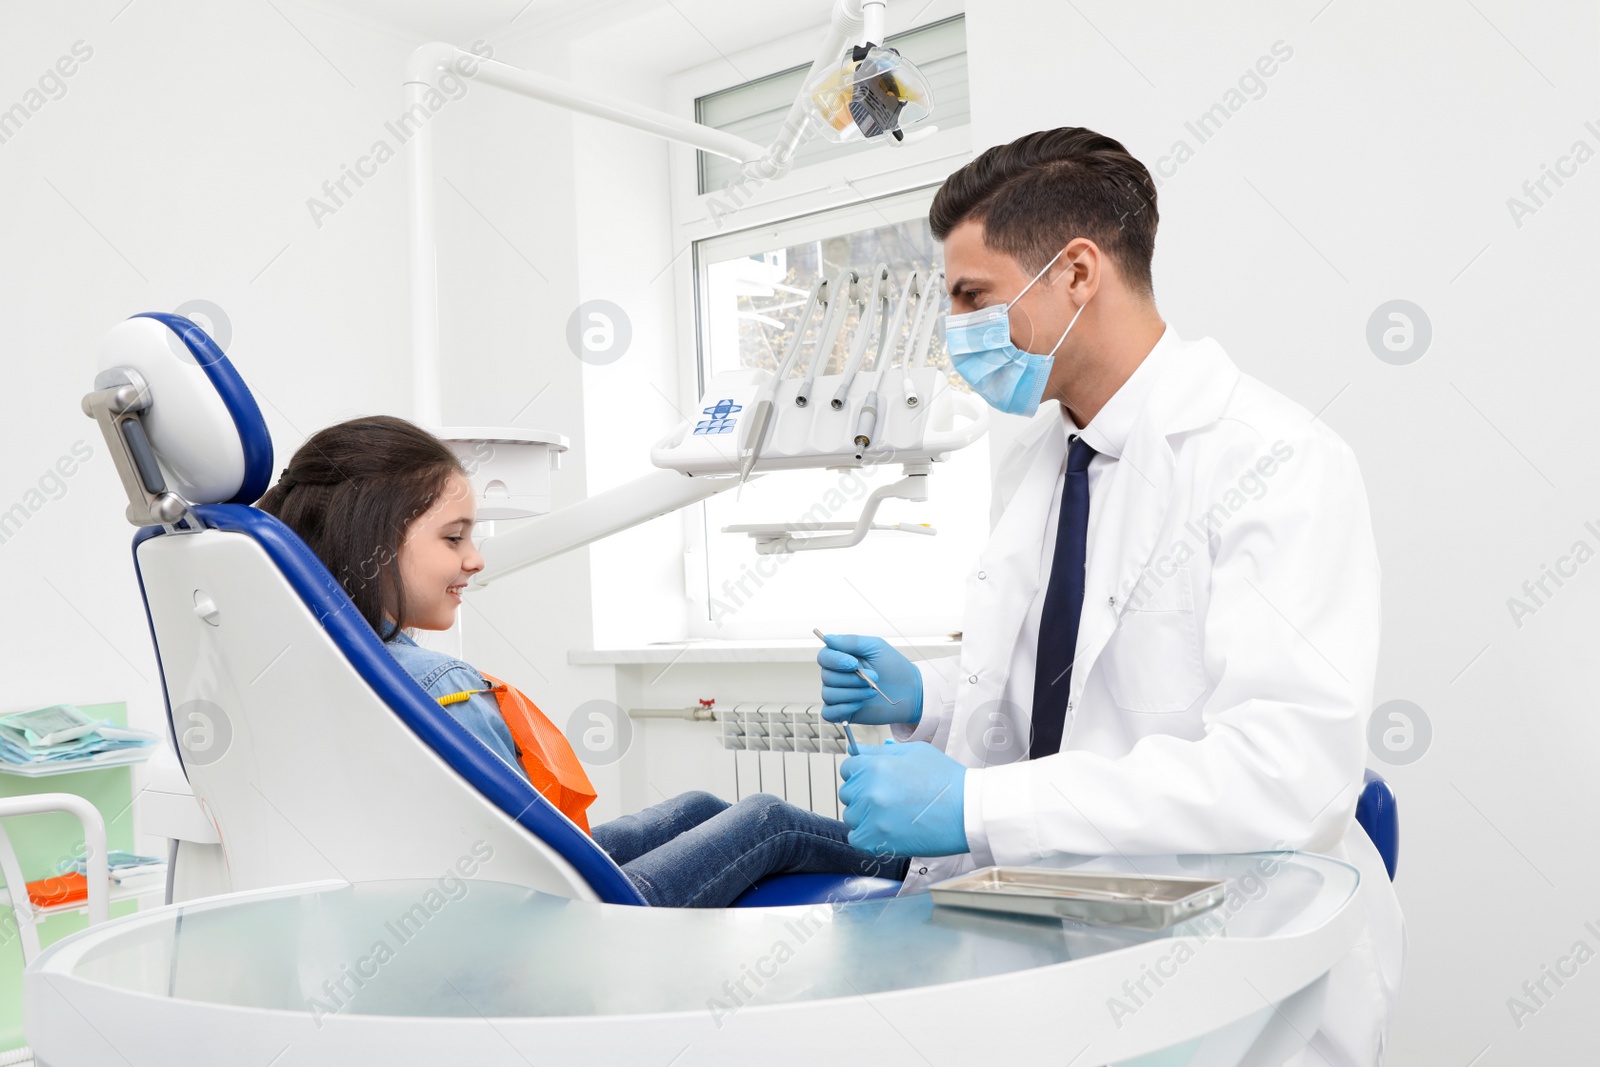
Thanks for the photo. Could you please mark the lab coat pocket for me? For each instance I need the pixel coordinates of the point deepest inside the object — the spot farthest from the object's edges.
(1153, 660)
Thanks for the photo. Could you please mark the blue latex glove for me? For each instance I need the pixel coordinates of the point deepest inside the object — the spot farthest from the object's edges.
(905, 800)
(846, 697)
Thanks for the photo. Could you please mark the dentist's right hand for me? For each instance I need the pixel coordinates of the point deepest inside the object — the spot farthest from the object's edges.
(846, 697)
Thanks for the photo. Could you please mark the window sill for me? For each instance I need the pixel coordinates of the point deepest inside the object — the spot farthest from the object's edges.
(714, 651)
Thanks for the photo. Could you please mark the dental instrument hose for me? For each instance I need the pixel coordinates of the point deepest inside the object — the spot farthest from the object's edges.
(877, 297)
(844, 291)
(917, 354)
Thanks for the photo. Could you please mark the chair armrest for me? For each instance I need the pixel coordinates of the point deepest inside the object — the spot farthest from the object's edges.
(94, 842)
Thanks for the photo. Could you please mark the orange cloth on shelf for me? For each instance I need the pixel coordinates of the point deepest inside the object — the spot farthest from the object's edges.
(62, 889)
(546, 755)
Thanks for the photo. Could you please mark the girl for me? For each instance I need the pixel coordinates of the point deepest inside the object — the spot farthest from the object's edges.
(388, 508)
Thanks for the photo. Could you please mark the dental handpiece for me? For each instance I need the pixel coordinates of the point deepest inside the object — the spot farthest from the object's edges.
(866, 424)
(758, 429)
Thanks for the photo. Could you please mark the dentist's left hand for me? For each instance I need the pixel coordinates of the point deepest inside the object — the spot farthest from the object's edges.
(906, 799)
(846, 698)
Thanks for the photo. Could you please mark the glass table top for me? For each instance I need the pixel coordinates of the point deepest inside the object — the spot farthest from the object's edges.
(451, 947)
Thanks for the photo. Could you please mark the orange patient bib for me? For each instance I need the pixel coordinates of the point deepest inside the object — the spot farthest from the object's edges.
(552, 766)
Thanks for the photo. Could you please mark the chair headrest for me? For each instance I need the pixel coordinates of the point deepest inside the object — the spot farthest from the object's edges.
(202, 423)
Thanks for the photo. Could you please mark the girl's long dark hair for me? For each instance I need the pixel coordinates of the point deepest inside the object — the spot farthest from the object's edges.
(351, 492)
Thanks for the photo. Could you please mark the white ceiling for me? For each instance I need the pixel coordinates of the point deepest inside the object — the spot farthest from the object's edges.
(456, 20)
(664, 35)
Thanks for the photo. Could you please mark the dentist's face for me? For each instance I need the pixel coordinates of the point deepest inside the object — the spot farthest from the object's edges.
(437, 558)
(979, 276)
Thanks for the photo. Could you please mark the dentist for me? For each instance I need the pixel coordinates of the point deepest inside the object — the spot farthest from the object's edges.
(1171, 637)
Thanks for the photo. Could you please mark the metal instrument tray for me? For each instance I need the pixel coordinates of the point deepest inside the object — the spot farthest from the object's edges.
(1152, 902)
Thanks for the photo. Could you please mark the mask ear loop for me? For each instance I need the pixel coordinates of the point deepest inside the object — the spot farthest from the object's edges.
(1013, 301)
(1070, 325)
(1036, 277)
(1075, 314)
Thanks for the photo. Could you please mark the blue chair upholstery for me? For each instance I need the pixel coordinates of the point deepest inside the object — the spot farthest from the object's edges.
(785, 889)
(1379, 816)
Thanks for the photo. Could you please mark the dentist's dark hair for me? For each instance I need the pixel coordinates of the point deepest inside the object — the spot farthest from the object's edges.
(351, 492)
(1044, 190)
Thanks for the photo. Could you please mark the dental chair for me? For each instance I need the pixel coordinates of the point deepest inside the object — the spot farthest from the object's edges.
(310, 751)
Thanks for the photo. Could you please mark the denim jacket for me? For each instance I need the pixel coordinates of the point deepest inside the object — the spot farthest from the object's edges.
(441, 675)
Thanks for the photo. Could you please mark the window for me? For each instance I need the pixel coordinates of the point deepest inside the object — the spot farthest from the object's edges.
(752, 288)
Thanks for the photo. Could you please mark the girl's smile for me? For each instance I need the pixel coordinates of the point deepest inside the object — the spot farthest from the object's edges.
(437, 558)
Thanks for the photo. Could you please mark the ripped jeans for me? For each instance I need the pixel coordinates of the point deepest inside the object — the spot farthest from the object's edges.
(698, 851)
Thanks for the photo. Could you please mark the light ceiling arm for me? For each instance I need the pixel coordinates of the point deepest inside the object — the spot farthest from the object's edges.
(874, 17)
(587, 101)
(844, 29)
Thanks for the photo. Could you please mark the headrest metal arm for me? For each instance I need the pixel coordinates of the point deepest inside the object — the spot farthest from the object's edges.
(118, 402)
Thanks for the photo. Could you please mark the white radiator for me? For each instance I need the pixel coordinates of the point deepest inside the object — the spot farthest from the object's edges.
(790, 751)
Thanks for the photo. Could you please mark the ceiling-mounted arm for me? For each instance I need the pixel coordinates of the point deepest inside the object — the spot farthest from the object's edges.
(845, 28)
(433, 57)
(874, 17)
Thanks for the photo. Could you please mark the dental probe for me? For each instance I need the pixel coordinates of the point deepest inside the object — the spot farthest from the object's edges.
(850, 737)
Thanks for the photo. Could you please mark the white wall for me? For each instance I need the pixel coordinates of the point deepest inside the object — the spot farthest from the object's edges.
(177, 166)
(1376, 166)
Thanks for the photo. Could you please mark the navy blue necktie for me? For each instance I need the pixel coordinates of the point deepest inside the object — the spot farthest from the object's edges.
(1063, 604)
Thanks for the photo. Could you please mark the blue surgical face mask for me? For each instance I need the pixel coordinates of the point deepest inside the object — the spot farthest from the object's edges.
(1010, 379)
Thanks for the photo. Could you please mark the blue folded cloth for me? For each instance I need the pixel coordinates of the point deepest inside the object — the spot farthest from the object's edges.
(22, 743)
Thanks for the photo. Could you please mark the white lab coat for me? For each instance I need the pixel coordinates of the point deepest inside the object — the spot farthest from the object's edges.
(1224, 668)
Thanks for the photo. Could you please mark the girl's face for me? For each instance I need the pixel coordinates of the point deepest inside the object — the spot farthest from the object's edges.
(437, 557)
